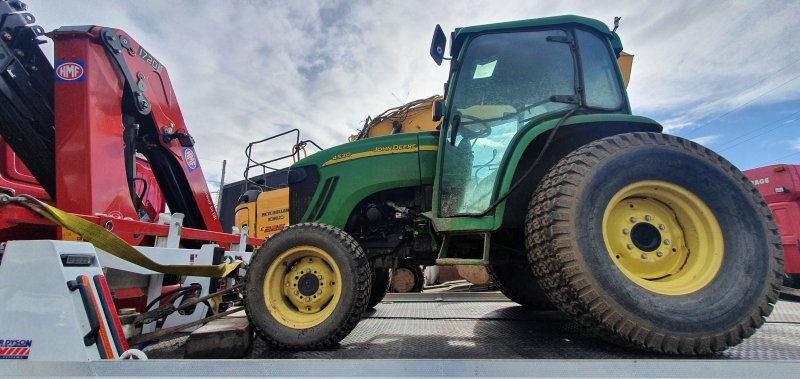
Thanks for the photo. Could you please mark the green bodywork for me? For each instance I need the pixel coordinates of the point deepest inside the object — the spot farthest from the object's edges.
(361, 177)
(388, 163)
(372, 165)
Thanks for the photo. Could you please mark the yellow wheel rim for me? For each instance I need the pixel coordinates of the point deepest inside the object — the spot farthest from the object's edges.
(302, 287)
(663, 237)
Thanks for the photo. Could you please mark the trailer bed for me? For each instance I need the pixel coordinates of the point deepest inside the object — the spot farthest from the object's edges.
(488, 326)
(461, 335)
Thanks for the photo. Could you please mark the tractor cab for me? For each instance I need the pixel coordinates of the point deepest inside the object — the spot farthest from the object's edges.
(505, 81)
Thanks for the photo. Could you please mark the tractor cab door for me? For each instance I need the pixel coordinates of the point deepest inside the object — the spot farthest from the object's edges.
(505, 81)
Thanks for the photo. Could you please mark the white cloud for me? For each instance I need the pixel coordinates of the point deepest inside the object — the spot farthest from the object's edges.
(675, 124)
(707, 140)
(701, 59)
(795, 143)
(247, 69)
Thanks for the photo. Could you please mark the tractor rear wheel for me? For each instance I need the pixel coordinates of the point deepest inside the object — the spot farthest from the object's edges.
(381, 280)
(516, 280)
(307, 287)
(654, 241)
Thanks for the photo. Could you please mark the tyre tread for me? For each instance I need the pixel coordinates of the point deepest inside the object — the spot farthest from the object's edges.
(380, 282)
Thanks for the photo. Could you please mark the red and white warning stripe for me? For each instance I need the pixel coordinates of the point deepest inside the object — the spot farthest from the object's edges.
(14, 352)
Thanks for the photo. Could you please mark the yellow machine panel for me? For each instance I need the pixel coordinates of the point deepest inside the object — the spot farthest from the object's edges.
(243, 214)
(408, 118)
(625, 62)
(267, 215)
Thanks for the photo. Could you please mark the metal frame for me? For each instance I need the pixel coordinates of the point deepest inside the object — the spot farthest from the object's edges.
(44, 299)
(132, 231)
(443, 260)
(294, 154)
(167, 251)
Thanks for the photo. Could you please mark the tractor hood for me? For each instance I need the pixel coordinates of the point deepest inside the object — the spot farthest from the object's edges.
(365, 148)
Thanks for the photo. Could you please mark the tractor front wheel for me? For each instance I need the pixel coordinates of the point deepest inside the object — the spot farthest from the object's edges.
(381, 281)
(307, 287)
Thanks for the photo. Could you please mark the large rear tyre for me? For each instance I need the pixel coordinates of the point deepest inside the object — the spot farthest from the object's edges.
(515, 279)
(307, 287)
(381, 280)
(654, 241)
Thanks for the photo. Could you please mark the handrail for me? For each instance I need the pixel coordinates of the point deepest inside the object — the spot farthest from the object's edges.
(297, 147)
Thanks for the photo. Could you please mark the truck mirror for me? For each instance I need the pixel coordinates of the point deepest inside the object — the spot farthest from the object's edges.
(436, 110)
(438, 44)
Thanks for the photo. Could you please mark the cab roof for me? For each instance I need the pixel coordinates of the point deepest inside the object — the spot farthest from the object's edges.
(461, 34)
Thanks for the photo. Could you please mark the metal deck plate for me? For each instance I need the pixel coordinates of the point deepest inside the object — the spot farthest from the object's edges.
(504, 330)
(461, 336)
(478, 326)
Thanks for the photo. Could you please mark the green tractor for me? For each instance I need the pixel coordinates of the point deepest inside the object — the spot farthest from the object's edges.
(539, 172)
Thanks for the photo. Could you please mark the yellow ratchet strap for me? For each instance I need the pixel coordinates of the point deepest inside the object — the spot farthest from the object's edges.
(110, 243)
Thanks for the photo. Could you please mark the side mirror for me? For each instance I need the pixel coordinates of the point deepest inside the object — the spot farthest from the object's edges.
(438, 44)
(436, 110)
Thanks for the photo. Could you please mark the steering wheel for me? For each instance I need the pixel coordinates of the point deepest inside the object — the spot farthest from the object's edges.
(531, 106)
(480, 125)
(472, 133)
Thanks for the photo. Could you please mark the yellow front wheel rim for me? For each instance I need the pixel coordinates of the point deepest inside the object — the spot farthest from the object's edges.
(663, 237)
(302, 287)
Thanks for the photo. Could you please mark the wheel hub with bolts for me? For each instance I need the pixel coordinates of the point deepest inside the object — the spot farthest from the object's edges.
(663, 237)
(301, 288)
(647, 241)
(309, 284)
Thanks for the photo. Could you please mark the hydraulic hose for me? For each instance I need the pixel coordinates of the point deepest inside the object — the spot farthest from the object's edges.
(516, 185)
(155, 301)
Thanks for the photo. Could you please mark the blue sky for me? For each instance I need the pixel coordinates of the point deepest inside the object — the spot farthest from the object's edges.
(725, 73)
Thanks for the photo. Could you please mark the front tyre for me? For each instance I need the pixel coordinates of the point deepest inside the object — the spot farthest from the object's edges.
(307, 287)
(654, 241)
(381, 281)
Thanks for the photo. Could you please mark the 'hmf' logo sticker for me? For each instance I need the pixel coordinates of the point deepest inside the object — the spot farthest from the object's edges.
(69, 71)
(190, 159)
